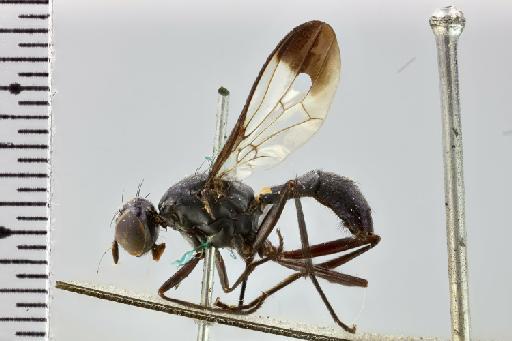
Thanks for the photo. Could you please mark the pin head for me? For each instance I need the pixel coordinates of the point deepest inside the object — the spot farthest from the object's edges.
(447, 20)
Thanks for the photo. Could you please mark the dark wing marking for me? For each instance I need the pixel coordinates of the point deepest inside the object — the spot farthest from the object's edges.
(280, 114)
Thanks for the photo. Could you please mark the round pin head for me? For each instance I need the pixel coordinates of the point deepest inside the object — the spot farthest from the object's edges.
(137, 227)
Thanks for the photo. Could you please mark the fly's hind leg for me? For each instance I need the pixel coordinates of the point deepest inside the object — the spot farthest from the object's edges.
(333, 247)
(304, 267)
(309, 267)
(321, 270)
(338, 193)
(343, 197)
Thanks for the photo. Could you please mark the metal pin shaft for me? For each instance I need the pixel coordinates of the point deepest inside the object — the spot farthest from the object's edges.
(209, 260)
(447, 24)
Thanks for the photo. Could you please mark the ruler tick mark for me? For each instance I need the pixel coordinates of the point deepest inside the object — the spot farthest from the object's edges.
(33, 131)
(22, 319)
(32, 276)
(32, 218)
(32, 103)
(33, 74)
(29, 30)
(35, 160)
(31, 334)
(23, 203)
(6, 232)
(34, 16)
(31, 305)
(10, 145)
(33, 44)
(23, 291)
(31, 189)
(24, 2)
(24, 117)
(25, 59)
(23, 175)
(31, 247)
(16, 88)
(23, 261)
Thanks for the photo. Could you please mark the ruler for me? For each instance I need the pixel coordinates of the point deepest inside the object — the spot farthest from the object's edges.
(25, 123)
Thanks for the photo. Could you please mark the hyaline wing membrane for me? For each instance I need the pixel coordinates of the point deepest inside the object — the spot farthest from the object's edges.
(287, 103)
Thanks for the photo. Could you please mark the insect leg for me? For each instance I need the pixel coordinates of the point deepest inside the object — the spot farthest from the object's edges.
(309, 267)
(221, 270)
(242, 279)
(258, 301)
(250, 265)
(242, 293)
(180, 275)
(270, 220)
(224, 281)
(331, 276)
(331, 264)
(157, 250)
(115, 251)
(334, 246)
(322, 270)
(276, 252)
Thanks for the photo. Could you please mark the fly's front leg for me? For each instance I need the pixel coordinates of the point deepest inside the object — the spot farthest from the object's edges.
(180, 275)
(221, 270)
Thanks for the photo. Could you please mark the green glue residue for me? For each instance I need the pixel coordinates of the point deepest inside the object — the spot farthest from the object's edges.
(187, 256)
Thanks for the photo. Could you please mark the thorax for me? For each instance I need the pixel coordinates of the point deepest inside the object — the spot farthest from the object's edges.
(226, 215)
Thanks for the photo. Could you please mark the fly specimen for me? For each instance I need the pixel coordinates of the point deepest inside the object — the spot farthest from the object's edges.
(217, 209)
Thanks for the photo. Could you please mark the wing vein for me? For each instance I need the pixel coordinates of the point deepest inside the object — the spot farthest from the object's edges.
(275, 120)
(264, 95)
(277, 133)
(287, 89)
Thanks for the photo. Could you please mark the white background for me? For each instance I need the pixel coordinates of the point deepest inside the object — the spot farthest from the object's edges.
(136, 95)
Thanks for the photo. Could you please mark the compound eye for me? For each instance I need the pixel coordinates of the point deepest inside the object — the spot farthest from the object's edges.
(133, 234)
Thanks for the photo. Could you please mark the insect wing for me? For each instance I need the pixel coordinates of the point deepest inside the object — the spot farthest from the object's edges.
(287, 103)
